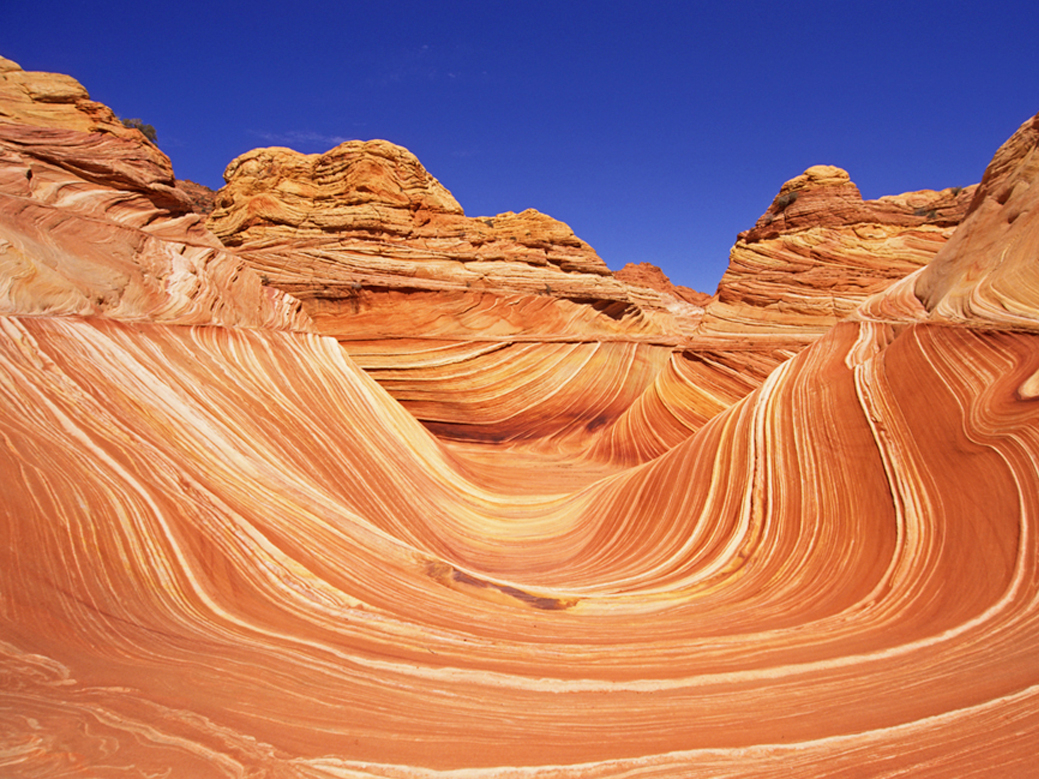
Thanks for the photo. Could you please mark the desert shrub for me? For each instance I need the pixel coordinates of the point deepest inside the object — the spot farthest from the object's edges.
(146, 129)
(784, 200)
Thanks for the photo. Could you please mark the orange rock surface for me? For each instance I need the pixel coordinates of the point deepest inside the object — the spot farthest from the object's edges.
(820, 250)
(227, 550)
(351, 231)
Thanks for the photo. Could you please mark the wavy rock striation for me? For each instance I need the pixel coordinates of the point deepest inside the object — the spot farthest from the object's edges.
(430, 301)
(817, 253)
(820, 250)
(226, 550)
(349, 231)
(95, 225)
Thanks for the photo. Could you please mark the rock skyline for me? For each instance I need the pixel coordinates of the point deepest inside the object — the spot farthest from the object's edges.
(333, 480)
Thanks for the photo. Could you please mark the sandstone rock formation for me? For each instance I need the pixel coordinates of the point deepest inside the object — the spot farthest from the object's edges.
(94, 224)
(225, 550)
(643, 274)
(820, 250)
(430, 301)
(350, 231)
(988, 275)
(201, 198)
(817, 253)
(423, 297)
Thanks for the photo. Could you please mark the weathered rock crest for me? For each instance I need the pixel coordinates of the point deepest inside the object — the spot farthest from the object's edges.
(606, 529)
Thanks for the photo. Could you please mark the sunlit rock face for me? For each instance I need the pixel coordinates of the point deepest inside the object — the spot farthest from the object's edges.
(226, 550)
(989, 275)
(816, 254)
(820, 250)
(351, 231)
(446, 311)
(94, 224)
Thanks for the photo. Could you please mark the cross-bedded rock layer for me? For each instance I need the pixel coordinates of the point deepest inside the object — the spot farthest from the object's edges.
(226, 551)
(430, 301)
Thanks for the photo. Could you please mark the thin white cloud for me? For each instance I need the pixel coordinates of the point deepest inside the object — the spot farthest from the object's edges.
(302, 140)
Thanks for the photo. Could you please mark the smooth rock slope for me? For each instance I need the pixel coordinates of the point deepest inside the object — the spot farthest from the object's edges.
(252, 528)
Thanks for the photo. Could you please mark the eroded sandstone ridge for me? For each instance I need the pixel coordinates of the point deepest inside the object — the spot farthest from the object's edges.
(352, 231)
(94, 224)
(248, 527)
(430, 301)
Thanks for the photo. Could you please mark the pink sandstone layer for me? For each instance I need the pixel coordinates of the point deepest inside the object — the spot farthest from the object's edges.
(249, 533)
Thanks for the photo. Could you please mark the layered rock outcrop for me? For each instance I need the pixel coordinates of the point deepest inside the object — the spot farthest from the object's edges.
(820, 250)
(350, 231)
(225, 550)
(435, 304)
(988, 274)
(94, 224)
(384, 259)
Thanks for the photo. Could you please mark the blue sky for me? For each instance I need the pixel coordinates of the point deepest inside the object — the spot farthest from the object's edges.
(656, 130)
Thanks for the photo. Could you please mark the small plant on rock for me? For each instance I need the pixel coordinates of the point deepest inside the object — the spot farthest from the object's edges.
(146, 129)
(782, 201)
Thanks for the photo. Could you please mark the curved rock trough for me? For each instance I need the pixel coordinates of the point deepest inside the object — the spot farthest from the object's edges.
(340, 482)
